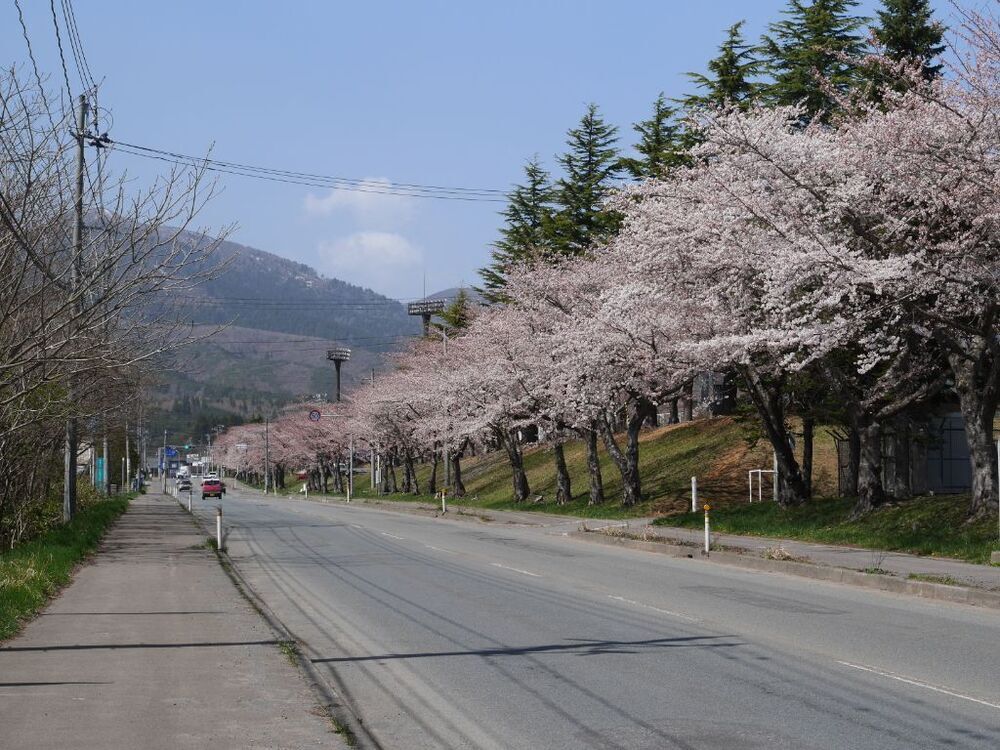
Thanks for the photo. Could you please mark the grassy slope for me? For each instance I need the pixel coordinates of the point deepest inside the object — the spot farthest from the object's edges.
(923, 526)
(712, 449)
(32, 572)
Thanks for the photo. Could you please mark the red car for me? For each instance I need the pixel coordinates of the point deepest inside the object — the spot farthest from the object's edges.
(212, 488)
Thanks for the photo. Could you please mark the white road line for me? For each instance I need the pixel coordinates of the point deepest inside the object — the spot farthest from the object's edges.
(655, 609)
(516, 570)
(392, 536)
(357, 526)
(438, 549)
(917, 683)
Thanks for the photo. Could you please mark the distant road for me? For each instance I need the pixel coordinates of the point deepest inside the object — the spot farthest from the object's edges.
(454, 634)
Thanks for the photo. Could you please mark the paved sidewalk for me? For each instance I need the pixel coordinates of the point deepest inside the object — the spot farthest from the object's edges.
(152, 647)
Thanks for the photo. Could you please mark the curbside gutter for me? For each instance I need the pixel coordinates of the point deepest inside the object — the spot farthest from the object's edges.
(329, 696)
(937, 591)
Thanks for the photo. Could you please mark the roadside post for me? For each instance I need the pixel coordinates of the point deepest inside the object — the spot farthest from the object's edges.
(218, 527)
(444, 505)
(708, 532)
(694, 494)
(190, 493)
(350, 470)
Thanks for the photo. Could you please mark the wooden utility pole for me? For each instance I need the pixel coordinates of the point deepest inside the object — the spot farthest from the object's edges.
(71, 442)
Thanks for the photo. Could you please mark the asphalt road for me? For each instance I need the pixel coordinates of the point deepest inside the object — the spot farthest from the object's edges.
(458, 634)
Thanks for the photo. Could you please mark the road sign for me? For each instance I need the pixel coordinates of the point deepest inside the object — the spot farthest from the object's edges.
(171, 451)
(427, 307)
(314, 416)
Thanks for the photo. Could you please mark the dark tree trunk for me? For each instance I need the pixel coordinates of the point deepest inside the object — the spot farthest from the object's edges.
(432, 483)
(871, 493)
(325, 471)
(338, 480)
(976, 383)
(457, 487)
(853, 461)
(393, 488)
(688, 402)
(594, 467)
(767, 396)
(627, 461)
(508, 438)
(674, 417)
(412, 470)
(406, 486)
(564, 492)
(808, 430)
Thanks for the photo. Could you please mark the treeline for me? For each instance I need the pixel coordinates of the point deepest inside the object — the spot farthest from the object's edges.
(815, 223)
(78, 323)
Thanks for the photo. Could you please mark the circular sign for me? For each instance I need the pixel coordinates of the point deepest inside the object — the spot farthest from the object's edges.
(314, 416)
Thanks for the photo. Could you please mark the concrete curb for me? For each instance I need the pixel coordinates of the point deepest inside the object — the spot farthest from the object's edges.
(329, 698)
(937, 591)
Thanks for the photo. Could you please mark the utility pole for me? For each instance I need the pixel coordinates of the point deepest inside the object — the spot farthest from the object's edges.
(69, 478)
(350, 470)
(267, 452)
(106, 489)
(163, 466)
(127, 459)
(371, 445)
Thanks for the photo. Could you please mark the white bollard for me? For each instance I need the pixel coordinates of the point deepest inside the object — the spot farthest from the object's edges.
(708, 537)
(218, 528)
(694, 494)
(189, 501)
(444, 506)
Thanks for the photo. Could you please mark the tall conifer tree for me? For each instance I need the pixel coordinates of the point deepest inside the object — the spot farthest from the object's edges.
(661, 143)
(590, 166)
(524, 236)
(906, 31)
(805, 54)
(731, 74)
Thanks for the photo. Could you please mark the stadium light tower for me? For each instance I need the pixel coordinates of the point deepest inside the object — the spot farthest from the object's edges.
(338, 356)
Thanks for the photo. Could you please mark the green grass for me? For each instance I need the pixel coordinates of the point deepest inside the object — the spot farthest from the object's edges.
(930, 578)
(712, 449)
(923, 526)
(31, 573)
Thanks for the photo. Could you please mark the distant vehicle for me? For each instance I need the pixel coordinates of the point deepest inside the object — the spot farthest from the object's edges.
(212, 488)
(183, 484)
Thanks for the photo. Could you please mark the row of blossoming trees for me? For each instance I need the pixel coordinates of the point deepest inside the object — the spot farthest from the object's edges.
(860, 256)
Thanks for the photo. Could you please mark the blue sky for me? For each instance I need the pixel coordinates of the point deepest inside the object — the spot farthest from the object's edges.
(433, 92)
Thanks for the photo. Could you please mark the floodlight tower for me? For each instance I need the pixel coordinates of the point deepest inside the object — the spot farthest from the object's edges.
(425, 309)
(338, 356)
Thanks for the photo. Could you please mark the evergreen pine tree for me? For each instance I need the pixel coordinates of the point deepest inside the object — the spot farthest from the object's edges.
(524, 234)
(805, 54)
(456, 317)
(906, 32)
(660, 145)
(731, 74)
(589, 167)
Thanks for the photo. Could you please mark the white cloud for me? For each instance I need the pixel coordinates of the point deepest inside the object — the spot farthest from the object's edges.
(368, 206)
(384, 261)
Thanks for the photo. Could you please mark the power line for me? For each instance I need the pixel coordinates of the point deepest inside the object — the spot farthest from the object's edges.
(59, 44)
(411, 190)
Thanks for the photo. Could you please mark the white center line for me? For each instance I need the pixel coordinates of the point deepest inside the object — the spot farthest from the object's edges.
(357, 526)
(917, 683)
(655, 609)
(516, 570)
(438, 549)
(392, 536)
